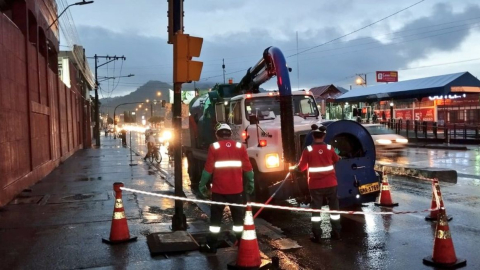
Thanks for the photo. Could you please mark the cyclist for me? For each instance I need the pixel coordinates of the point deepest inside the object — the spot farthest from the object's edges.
(150, 140)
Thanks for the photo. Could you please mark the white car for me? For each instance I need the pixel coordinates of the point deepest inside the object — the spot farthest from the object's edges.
(385, 138)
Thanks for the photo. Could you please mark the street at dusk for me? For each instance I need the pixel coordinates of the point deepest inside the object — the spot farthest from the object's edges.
(239, 134)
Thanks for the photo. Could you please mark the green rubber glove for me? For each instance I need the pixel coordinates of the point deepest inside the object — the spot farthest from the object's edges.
(202, 186)
(337, 151)
(250, 183)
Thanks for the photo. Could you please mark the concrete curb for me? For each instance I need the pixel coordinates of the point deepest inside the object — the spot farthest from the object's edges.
(440, 147)
(443, 175)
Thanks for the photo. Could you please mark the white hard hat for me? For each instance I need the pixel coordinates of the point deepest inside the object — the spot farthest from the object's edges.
(224, 127)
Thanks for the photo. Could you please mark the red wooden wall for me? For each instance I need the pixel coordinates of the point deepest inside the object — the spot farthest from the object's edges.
(41, 120)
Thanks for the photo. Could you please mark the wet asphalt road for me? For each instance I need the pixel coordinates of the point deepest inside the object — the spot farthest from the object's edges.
(390, 241)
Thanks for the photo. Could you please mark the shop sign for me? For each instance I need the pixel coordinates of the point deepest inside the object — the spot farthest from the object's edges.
(387, 76)
(424, 114)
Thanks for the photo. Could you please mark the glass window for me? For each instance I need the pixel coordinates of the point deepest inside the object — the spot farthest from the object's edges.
(268, 108)
(378, 130)
(237, 113)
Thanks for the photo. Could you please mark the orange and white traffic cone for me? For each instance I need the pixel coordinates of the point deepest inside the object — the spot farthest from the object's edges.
(248, 251)
(443, 251)
(385, 198)
(119, 231)
(433, 216)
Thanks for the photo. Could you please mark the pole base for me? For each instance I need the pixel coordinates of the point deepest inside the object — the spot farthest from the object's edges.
(429, 218)
(179, 223)
(133, 164)
(108, 241)
(459, 263)
(386, 205)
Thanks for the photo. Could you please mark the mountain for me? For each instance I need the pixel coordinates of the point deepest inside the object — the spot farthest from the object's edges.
(147, 91)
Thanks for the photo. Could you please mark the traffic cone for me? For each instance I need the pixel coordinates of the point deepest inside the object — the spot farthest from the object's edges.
(248, 252)
(433, 216)
(385, 198)
(443, 250)
(119, 231)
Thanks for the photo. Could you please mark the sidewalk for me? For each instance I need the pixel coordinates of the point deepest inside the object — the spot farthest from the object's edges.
(59, 222)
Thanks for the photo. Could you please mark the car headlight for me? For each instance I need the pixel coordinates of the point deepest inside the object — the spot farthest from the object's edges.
(382, 141)
(401, 140)
(272, 160)
(167, 135)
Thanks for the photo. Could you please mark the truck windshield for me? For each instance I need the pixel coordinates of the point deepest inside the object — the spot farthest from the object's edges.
(267, 108)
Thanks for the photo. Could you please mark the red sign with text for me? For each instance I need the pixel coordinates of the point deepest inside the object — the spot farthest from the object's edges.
(387, 76)
(424, 114)
(403, 114)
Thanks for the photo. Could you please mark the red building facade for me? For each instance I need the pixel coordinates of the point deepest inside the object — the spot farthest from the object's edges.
(43, 121)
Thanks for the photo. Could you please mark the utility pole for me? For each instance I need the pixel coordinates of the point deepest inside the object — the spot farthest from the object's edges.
(96, 129)
(223, 67)
(185, 70)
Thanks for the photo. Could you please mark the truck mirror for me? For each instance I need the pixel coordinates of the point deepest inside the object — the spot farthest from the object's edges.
(253, 119)
(220, 112)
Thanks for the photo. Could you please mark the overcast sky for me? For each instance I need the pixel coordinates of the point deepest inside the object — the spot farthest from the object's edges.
(432, 38)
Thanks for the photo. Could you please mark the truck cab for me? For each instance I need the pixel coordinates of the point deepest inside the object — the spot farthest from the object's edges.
(263, 140)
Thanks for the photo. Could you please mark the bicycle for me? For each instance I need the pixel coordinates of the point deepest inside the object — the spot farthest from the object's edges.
(155, 155)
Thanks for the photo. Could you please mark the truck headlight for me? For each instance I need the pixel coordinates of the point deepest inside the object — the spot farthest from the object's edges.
(272, 160)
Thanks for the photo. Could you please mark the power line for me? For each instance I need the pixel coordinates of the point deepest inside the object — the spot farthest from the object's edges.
(357, 30)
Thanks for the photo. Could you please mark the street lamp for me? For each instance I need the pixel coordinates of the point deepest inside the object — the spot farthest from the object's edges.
(109, 78)
(159, 94)
(74, 4)
(361, 79)
(391, 114)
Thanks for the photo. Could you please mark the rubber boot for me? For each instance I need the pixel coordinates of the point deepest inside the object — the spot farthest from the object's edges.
(317, 234)
(212, 243)
(238, 235)
(336, 228)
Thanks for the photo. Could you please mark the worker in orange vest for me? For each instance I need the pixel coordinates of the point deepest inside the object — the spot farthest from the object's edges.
(319, 159)
(227, 160)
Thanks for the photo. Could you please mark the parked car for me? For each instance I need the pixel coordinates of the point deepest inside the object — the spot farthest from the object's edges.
(385, 138)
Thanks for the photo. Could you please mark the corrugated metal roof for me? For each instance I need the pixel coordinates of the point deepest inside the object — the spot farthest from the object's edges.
(321, 92)
(436, 85)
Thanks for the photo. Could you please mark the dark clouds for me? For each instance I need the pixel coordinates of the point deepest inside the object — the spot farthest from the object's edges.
(150, 58)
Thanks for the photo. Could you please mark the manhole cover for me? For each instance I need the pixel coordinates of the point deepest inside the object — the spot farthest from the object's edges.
(26, 200)
(78, 197)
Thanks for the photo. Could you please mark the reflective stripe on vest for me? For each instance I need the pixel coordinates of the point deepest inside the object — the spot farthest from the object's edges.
(320, 169)
(309, 148)
(329, 147)
(228, 164)
(237, 228)
(239, 145)
(214, 229)
(216, 145)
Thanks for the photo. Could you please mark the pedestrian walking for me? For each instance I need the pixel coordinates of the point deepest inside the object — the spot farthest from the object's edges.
(319, 159)
(226, 161)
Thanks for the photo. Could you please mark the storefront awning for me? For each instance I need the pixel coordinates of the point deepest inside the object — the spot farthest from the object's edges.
(463, 82)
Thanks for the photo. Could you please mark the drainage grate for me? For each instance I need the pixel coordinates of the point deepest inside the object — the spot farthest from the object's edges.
(78, 197)
(26, 200)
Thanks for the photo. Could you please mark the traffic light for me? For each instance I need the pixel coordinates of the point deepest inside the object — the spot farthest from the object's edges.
(184, 48)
